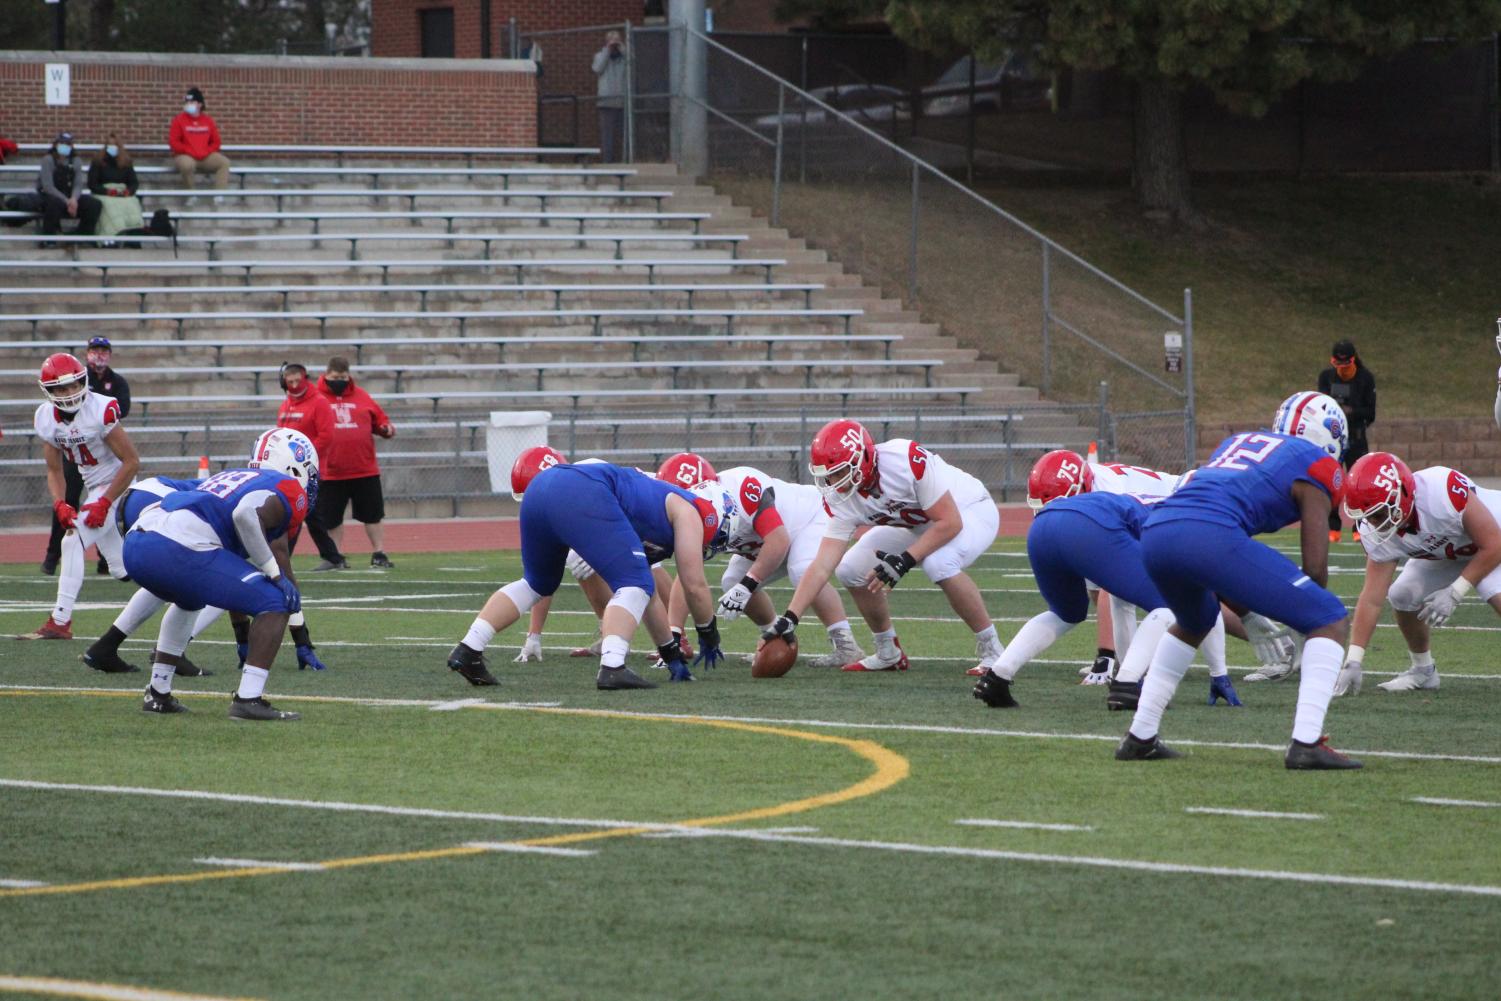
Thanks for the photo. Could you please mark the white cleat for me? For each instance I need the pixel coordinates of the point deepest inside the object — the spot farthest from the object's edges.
(1413, 679)
(875, 662)
(846, 651)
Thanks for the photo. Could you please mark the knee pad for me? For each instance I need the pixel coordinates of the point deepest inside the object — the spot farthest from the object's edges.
(632, 599)
(1405, 595)
(521, 594)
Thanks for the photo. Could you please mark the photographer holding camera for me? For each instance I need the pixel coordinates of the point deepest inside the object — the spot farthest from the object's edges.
(609, 66)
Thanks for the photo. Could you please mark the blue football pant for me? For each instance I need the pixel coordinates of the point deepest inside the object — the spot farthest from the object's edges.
(193, 578)
(1067, 549)
(561, 511)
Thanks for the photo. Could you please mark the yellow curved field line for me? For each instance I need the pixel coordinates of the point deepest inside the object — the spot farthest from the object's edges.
(890, 768)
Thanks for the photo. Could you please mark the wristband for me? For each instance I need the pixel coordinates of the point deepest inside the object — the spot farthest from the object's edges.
(749, 583)
(704, 626)
(1355, 653)
(270, 569)
(791, 616)
(1460, 588)
(670, 651)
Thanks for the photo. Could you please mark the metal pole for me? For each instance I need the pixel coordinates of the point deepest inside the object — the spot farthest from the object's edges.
(1190, 427)
(1101, 431)
(912, 240)
(969, 132)
(630, 96)
(513, 41)
(776, 183)
(484, 30)
(802, 132)
(1495, 106)
(690, 86)
(1047, 318)
(60, 25)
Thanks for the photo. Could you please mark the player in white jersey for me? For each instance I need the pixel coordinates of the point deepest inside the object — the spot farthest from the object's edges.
(922, 511)
(1446, 528)
(775, 533)
(86, 427)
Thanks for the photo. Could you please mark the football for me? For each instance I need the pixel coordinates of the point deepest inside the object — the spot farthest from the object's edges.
(775, 658)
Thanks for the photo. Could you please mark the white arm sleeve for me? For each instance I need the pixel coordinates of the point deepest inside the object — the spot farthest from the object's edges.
(247, 518)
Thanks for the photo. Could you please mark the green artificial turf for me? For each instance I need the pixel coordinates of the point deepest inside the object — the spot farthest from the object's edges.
(848, 899)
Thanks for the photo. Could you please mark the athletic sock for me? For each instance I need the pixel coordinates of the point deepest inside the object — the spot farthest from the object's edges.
(252, 682)
(1036, 635)
(1419, 660)
(141, 606)
(110, 641)
(1321, 662)
(69, 579)
(613, 651)
(1213, 648)
(479, 635)
(161, 677)
(1169, 665)
(1133, 667)
(1103, 651)
(206, 617)
(842, 626)
(886, 644)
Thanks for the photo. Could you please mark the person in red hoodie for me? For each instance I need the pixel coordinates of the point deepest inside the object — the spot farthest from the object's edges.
(307, 411)
(350, 474)
(194, 139)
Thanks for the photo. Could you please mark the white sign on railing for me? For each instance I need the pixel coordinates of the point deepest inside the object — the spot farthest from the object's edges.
(59, 83)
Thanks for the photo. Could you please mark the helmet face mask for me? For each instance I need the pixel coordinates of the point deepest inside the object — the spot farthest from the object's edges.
(290, 453)
(842, 459)
(1379, 495)
(1057, 475)
(65, 382)
(1315, 418)
(529, 464)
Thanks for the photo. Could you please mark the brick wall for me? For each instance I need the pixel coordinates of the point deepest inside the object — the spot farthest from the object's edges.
(1469, 444)
(276, 99)
(395, 24)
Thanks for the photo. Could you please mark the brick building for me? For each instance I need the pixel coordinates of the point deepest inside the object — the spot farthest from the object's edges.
(476, 29)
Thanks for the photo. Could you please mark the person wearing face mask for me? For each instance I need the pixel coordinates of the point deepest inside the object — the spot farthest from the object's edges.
(306, 410)
(61, 187)
(1353, 387)
(350, 475)
(112, 179)
(194, 139)
(107, 382)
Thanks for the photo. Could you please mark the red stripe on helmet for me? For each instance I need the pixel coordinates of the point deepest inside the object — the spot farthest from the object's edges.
(1298, 411)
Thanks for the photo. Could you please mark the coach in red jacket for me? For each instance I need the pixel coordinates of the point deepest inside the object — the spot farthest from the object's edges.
(194, 141)
(307, 411)
(350, 475)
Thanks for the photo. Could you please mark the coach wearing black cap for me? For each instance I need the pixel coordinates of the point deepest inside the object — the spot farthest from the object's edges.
(106, 382)
(1353, 387)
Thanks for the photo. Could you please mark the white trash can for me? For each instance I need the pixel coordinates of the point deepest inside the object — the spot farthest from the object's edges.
(510, 433)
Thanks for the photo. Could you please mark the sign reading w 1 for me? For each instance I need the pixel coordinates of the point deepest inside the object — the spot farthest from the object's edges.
(59, 83)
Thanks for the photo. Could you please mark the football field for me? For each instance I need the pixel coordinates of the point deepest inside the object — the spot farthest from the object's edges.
(823, 835)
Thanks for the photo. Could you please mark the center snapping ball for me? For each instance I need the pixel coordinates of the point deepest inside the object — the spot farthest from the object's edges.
(775, 658)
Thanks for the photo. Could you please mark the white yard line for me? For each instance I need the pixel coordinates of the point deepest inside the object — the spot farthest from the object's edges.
(1023, 825)
(250, 863)
(59, 987)
(1435, 801)
(504, 846)
(20, 884)
(1224, 811)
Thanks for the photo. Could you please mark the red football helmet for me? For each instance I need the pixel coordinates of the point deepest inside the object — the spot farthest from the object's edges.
(65, 381)
(686, 470)
(842, 458)
(531, 462)
(1058, 474)
(1379, 495)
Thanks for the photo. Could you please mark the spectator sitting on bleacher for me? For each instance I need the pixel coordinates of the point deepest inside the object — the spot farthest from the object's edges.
(60, 190)
(194, 139)
(8, 147)
(349, 473)
(307, 410)
(112, 179)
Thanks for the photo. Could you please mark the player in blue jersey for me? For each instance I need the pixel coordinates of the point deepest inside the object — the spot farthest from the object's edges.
(224, 544)
(1197, 544)
(612, 517)
(1073, 541)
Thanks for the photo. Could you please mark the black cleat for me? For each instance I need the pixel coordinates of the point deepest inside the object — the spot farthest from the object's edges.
(1303, 757)
(1132, 748)
(258, 709)
(1123, 695)
(614, 679)
(380, 561)
(188, 669)
(994, 691)
(108, 661)
(161, 702)
(471, 664)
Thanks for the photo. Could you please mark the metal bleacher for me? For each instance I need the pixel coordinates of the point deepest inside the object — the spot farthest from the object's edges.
(704, 327)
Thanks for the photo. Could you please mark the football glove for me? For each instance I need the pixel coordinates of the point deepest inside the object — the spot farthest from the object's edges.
(709, 653)
(1272, 642)
(1438, 606)
(893, 567)
(733, 603)
(1349, 679)
(306, 658)
(67, 515)
(291, 600)
(678, 671)
(531, 649)
(1223, 688)
(95, 512)
(782, 628)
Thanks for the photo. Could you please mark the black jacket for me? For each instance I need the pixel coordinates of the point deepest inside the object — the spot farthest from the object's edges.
(1358, 395)
(107, 170)
(113, 384)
